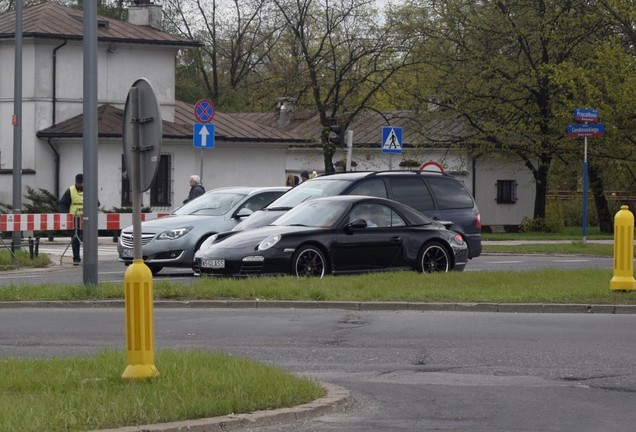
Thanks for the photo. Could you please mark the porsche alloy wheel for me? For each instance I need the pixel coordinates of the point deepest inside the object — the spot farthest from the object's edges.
(434, 258)
(309, 261)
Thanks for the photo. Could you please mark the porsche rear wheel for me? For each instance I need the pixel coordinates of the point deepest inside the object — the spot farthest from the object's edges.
(309, 261)
(434, 258)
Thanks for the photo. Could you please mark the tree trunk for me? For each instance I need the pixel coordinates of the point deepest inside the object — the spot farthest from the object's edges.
(602, 208)
(541, 182)
(328, 152)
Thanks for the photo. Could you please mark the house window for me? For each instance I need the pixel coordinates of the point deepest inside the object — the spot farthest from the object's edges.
(506, 191)
(126, 197)
(160, 189)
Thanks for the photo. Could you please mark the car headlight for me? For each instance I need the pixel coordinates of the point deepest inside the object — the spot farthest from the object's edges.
(268, 242)
(174, 234)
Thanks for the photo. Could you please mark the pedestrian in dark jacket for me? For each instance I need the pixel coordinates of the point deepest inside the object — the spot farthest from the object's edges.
(196, 188)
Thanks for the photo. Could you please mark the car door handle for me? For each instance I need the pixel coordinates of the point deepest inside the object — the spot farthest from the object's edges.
(396, 239)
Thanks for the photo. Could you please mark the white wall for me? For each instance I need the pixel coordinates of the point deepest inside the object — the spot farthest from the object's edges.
(497, 167)
(118, 68)
(236, 164)
(227, 164)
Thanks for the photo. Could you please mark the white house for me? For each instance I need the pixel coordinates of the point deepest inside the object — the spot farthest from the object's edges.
(250, 148)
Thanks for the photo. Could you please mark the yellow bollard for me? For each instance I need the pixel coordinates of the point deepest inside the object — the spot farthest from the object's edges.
(623, 279)
(139, 323)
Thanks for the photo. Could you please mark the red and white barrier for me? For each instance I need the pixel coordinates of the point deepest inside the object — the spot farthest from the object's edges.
(65, 221)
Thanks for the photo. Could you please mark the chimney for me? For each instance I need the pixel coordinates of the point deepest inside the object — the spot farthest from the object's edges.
(285, 105)
(145, 12)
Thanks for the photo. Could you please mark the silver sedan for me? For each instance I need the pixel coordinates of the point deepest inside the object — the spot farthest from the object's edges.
(171, 241)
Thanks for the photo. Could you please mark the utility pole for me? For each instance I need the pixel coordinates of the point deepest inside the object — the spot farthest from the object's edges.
(89, 133)
(17, 123)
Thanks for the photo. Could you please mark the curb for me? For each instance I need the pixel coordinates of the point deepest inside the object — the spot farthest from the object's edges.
(343, 305)
(336, 400)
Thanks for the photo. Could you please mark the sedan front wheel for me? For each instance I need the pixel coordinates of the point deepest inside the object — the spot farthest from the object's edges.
(434, 258)
(309, 261)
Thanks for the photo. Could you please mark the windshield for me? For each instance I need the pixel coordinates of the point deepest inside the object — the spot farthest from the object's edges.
(314, 214)
(210, 204)
(314, 188)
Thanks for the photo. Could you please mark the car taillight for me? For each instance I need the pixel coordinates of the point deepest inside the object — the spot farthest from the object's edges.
(459, 239)
(478, 222)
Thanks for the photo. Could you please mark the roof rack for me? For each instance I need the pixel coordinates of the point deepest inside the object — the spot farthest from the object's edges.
(375, 173)
(415, 171)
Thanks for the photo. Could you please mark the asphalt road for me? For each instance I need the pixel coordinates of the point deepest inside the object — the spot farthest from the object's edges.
(406, 370)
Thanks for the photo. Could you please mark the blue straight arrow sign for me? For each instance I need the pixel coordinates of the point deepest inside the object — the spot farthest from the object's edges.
(203, 135)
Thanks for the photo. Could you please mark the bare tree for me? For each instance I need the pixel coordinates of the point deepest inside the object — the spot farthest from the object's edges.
(237, 37)
(348, 55)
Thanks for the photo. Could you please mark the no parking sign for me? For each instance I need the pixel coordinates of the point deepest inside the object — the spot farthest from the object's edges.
(204, 111)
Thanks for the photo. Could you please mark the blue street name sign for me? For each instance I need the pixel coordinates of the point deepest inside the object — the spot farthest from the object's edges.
(391, 139)
(586, 115)
(203, 135)
(583, 130)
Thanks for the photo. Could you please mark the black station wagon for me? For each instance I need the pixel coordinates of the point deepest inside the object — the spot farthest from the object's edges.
(439, 196)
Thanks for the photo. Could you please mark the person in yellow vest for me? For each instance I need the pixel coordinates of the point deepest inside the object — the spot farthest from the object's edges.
(72, 201)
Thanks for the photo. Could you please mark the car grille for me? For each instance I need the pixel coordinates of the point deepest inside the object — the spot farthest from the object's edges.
(250, 268)
(127, 239)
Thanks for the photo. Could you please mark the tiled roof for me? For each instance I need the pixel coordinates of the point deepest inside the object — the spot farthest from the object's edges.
(54, 21)
(233, 126)
(227, 127)
(419, 128)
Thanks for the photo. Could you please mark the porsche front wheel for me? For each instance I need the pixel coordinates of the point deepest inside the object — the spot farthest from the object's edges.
(309, 261)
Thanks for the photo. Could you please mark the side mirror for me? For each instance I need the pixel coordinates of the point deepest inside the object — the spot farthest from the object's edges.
(357, 224)
(242, 213)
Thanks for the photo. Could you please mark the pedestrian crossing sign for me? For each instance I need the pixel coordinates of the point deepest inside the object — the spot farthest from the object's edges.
(391, 139)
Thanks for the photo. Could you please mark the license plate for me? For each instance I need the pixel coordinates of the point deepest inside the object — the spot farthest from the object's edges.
(213, 263)
(127, 253)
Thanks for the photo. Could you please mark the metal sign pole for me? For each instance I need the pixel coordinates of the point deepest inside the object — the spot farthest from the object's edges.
(136, 193)
(585, 191)
(17, 124)
(201, 167)
(90, 146)
(349, 149)
(585, 115)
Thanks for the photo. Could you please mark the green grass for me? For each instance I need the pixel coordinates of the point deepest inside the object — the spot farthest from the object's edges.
(543, 286)
(87, 393)
(21, 258)
(573, 248)
(570, 233)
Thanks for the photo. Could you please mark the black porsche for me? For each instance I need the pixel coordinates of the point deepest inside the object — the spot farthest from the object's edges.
(336, 235)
